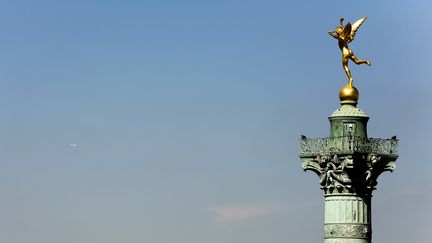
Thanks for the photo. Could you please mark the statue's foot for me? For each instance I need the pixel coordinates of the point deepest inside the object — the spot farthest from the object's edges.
(368, 63)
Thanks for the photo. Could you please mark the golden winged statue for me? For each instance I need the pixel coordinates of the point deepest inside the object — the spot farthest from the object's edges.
(344, 35)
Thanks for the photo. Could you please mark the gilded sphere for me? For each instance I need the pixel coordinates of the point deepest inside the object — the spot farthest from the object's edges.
(349, 94)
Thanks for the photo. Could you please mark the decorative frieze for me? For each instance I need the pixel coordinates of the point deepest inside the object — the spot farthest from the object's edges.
(348, 145)
(356, 231)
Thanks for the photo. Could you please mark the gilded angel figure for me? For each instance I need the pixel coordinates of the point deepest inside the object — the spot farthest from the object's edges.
(344, 35)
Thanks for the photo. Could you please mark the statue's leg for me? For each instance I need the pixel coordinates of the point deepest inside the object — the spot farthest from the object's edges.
(359, 61)
(347, 71)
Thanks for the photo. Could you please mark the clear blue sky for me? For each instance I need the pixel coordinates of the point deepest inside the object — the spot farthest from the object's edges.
(187, 114)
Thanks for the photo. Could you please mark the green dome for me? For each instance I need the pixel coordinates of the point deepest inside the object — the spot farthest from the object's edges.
(349, 110)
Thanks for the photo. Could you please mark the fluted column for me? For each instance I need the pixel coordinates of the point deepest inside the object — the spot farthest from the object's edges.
(347, 219)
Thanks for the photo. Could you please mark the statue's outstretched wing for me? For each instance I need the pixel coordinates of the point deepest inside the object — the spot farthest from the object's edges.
(347, 31)
(354, 28)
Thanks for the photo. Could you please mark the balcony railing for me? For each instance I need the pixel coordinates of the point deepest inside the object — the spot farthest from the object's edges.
(342, 145)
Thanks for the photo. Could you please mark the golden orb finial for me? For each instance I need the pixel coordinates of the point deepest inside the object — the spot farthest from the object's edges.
(349, 95)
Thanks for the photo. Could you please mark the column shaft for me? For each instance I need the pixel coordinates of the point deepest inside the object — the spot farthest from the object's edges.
(347, 219)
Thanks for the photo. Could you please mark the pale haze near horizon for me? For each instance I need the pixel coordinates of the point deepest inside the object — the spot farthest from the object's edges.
(178, 121)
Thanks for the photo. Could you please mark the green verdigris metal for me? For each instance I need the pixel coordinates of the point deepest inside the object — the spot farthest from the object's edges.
(348, 164)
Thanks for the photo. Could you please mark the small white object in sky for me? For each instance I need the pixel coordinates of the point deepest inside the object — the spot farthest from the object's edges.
(73, 145)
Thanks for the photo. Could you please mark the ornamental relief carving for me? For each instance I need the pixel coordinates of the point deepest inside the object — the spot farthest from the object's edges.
(349, 144)
(359, 231)
(348, 164)
(336, 174)
(333, 173)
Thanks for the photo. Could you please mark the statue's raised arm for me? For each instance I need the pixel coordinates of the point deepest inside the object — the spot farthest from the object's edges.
(344, 35)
